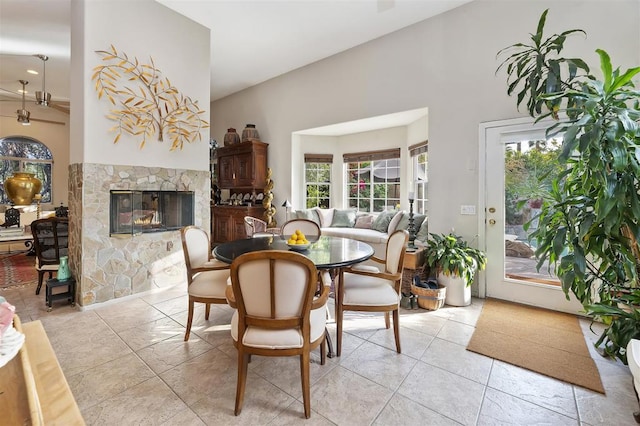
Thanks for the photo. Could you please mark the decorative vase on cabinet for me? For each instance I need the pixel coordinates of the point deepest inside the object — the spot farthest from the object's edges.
(250, 133)
(22, 187)
(231, 137)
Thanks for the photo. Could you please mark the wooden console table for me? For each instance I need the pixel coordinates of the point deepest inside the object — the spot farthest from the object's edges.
(33, 389)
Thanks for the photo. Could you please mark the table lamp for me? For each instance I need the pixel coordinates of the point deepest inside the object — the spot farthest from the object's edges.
(287, 206)
(411, 228)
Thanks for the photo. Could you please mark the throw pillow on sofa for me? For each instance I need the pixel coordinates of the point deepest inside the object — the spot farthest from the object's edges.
(364, 221)
(381, 223)
(343, 218)
(310, 214)
(423, 232)
(326, 217)
(404, 222)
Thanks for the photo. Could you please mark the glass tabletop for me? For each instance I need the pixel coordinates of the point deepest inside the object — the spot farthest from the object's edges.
(326, 252)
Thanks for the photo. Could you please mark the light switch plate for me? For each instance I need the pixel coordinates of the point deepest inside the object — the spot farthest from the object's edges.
(467, 209)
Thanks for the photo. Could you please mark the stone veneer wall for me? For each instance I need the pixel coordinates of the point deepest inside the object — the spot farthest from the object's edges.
(111, 267)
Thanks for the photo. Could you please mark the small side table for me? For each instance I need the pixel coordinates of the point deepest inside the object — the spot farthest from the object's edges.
(413, 263)
(70, 294)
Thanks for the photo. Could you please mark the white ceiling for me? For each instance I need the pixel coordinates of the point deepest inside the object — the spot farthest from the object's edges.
(251, 41)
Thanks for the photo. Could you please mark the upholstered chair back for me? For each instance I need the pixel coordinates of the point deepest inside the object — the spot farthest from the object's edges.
(308, 227)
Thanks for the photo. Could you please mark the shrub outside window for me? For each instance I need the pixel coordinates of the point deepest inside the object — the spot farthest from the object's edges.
(373, 180)
(317, 180)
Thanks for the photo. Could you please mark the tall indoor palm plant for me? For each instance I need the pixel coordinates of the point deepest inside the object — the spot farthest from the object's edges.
(594, 204)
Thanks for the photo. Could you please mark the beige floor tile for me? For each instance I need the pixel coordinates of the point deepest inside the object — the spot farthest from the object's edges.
(378, 364)
(83, 352)
(194, 379)
(535, 388)
(402, 411)
(344, 397)
(458, 360)
(185, 417)
(412, 343)
(456, 332)
(107, 380)
(129, 314)
(293, 415)
(451, 395)
(172, 352)
(173, 306)
(163, 294)
(284, 372)
(500, 408)
(149, 333)
(362, 324)
(425, 322)
(150, 402)
(263, 402)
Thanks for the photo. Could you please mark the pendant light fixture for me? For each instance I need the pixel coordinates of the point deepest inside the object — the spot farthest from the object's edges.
(23, 114)
(43, 97)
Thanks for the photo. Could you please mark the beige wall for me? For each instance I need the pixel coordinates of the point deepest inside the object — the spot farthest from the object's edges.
(446, 64)
(54, 136)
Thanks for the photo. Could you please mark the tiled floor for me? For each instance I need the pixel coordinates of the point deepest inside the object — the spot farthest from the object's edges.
(127, 364)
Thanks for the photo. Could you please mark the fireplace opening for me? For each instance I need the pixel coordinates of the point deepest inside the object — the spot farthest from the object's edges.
(137, 212)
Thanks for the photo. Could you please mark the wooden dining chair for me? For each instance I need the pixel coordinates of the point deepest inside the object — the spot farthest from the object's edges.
(207, 277)
(50, 242)
(374, 289)
(308, 227)
(277, 314)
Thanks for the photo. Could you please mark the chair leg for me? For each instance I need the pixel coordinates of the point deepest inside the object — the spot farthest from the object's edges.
(396, 329)
(243, 364)
(339, 295)
(387, 323)
(207, 309)
(323, 349)
(40, 279)
(189, 320)
(304, 374)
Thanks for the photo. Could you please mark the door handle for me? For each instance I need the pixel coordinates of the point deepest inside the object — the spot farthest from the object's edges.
(492, 221)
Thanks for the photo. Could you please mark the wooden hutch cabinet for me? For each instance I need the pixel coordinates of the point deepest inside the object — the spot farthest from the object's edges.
(242, 168)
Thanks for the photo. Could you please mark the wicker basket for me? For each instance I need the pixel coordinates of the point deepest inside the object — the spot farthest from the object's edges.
(431, 299)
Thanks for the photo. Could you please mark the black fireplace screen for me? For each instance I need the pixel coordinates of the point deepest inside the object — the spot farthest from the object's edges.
(135, 212)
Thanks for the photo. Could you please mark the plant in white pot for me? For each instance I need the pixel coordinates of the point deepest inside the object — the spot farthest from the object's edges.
(456, 264)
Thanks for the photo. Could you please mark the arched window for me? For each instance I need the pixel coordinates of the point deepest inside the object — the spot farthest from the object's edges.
(24, 154)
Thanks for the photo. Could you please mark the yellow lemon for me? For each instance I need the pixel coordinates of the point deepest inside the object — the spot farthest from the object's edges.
(300, 242)
(298, 232)
(290, 241)
(293, 237)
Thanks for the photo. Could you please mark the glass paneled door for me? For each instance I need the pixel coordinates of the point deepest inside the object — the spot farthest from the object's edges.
(519, 164)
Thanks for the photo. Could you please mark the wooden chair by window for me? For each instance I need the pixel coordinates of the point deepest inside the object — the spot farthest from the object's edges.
(206, 276)
(371, 290)
(277, 314)
(255, 227)
(50, 242)
(308, 227)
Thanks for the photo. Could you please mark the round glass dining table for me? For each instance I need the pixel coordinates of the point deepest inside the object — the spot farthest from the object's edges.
(326, 252)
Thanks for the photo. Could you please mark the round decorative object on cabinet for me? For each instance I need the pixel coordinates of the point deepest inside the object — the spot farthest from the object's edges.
(250, 133)
(231, 137)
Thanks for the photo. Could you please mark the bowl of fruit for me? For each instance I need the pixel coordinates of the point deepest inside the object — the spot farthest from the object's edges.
(298, 242)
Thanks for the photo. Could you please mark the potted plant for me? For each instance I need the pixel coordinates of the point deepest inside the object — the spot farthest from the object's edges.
(456, 264)
(593, 209)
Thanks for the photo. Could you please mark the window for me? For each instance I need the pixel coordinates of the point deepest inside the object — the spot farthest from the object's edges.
(317, 180)
(373, 180)
(23, 154)
(419, 156)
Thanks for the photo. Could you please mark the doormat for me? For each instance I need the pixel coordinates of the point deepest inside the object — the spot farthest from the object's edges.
(17, 270)
(540, 340)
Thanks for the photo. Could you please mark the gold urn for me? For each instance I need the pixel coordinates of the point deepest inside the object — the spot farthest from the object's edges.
(22, 187)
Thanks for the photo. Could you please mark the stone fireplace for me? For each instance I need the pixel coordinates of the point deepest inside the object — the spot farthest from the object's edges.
(110, 266)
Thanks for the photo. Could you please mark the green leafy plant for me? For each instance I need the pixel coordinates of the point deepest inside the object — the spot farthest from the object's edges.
(593, 209)
(451, 255)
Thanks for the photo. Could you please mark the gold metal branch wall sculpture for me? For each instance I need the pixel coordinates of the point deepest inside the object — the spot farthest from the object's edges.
(154, 105)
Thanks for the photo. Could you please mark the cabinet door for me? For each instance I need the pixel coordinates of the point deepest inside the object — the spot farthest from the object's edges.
(225, 172)
(223, 226)
(244, 169)
(239, 230)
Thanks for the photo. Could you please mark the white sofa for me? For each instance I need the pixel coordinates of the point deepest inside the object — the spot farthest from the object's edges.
(377, 239)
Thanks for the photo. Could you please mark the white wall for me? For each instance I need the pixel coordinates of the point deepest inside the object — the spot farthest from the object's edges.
(144, 29)
(447, 64)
